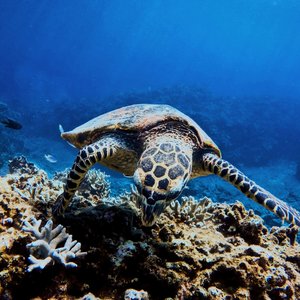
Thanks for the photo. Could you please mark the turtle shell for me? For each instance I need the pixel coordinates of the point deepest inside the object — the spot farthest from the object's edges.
(135, 118)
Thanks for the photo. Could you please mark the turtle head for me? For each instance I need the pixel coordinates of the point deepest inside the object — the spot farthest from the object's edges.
(160, 177)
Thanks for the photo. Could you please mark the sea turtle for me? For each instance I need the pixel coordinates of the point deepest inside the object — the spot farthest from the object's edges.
(162, 149)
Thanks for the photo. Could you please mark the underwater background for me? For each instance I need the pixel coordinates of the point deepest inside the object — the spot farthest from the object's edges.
(233, 66)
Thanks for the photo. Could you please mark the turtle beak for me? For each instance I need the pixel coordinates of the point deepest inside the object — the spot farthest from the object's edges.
(150, 212)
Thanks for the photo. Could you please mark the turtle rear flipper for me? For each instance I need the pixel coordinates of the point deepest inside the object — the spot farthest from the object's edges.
(227, 171)
(86, 158)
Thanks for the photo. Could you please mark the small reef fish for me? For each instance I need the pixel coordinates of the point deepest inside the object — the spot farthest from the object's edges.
(50, 158)
(10, 123)
(61, 130)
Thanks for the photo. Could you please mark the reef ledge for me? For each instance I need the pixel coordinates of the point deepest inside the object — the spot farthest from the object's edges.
(197, 249)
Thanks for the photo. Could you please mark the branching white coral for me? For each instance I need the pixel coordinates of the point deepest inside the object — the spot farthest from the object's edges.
(99, 185)
(134, 196)
(44, 250)
(128, 197)
(191, 211)
(95, 187)
(34, 188)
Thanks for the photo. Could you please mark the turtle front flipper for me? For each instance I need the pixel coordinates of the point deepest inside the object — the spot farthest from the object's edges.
(86, 158)
(213, 164)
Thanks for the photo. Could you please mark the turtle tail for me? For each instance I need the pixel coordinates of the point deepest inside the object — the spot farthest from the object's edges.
(227, 171)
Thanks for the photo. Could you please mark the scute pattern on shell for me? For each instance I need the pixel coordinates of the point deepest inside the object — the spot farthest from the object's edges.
(134, 118)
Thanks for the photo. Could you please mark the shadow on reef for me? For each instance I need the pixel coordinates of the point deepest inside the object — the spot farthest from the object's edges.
(198, 249)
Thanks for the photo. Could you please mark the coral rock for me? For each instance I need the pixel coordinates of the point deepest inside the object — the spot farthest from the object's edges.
(21, 165)
(196, 250)
(132, 294)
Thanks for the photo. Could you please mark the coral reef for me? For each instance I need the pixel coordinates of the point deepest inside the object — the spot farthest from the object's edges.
(132, 294)
(196, 250)
(94, 188)
(20, 165)
(19, 200)
(190, 211)
(44, 250)
(32, 184)
(277, 178)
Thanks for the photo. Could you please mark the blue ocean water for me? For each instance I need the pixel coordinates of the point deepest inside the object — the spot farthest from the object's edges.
(233, 66)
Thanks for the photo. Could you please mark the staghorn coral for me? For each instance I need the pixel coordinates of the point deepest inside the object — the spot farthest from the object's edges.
(93, 190)
(190, 211)
(44, 250)
(31, 188)
(13, 209)
(32, 184)
(19, 201)
(96, 182)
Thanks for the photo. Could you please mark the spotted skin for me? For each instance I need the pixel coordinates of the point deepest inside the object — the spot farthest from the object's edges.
(98, 152)
(227, 171)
